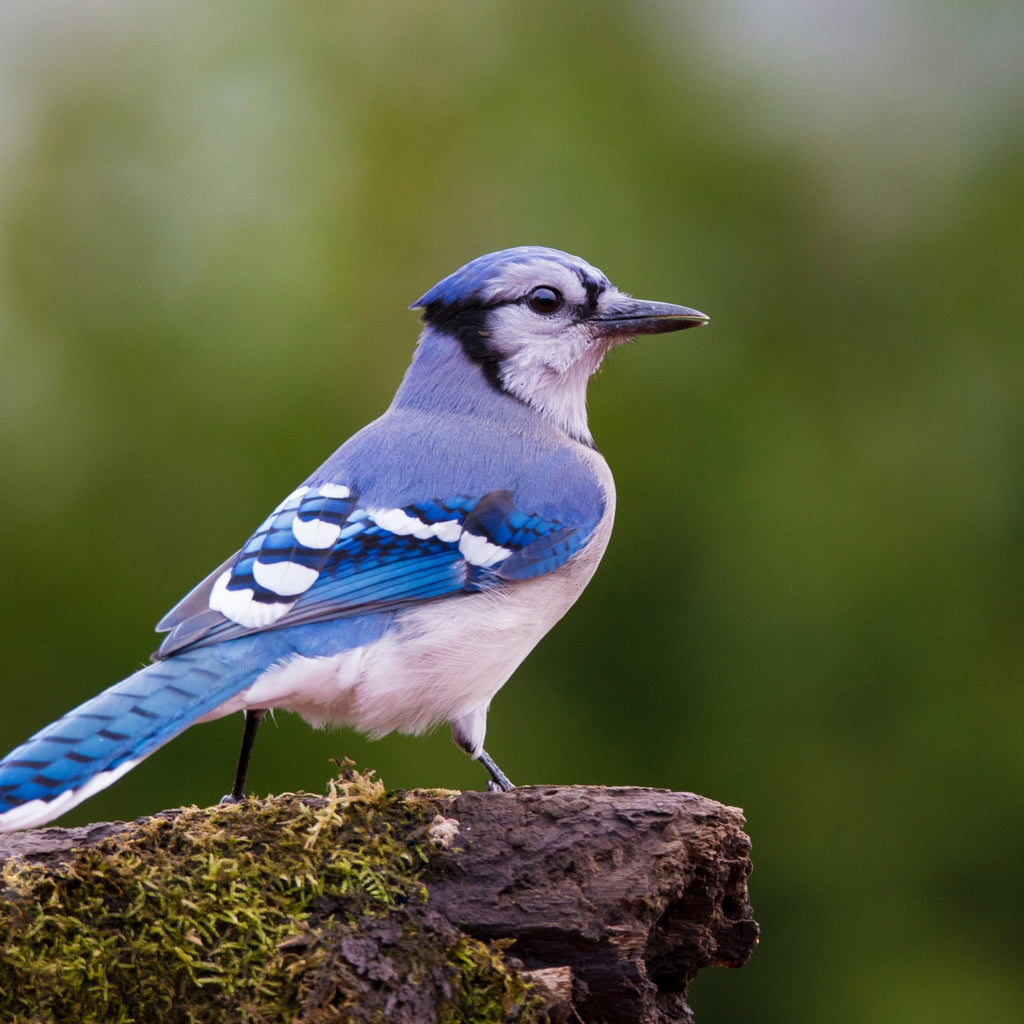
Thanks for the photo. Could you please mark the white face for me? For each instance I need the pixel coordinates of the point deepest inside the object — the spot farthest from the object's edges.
(548, 357)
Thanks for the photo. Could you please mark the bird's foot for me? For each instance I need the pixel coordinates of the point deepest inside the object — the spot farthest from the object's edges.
(499, 781)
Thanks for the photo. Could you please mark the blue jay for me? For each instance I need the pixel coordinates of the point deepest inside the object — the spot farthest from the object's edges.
(401, 585)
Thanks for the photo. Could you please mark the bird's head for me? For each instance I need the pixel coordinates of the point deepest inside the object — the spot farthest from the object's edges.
(539, 321)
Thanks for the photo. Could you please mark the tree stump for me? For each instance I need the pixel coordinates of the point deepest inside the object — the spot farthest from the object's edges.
(545, 903)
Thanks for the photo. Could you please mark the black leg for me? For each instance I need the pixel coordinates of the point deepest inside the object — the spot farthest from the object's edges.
(498, 782)
(253, 717)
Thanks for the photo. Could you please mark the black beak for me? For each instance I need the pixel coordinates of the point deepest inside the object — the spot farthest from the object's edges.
(629, 317)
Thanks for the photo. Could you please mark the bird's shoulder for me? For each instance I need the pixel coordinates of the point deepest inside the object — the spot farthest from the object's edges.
(409, 454)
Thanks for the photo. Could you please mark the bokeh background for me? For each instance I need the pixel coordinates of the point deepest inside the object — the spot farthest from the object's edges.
(212, 220)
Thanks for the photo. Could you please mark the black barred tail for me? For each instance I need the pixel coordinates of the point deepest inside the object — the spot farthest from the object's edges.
(102, 739)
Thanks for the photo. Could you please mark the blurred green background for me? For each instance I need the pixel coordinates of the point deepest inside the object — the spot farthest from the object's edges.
(212, 220)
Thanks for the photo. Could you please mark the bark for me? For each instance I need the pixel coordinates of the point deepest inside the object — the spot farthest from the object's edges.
(608, 902)
(633, 890)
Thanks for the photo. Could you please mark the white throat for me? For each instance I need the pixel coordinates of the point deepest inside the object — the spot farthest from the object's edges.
(560, 394)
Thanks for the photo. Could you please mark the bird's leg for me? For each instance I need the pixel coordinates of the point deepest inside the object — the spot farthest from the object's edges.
(253, 717)
(498, 782)
(468, 733)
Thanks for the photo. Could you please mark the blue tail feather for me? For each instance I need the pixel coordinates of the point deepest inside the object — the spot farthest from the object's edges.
(100, 740)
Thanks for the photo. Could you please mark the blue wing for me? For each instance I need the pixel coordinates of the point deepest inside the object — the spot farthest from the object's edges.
(321, 554)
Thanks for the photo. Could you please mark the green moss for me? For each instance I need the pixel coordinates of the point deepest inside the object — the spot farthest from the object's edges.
(286, 909)
(486, 989)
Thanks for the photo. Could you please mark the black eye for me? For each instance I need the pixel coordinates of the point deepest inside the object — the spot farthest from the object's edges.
(544, 300)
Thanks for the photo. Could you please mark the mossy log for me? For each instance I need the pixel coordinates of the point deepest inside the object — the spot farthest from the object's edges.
(543, 904)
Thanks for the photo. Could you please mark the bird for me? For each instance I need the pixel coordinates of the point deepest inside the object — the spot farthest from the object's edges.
(404, 581)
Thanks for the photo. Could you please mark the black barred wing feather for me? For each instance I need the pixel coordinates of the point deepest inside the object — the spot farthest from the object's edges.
(322, 555)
